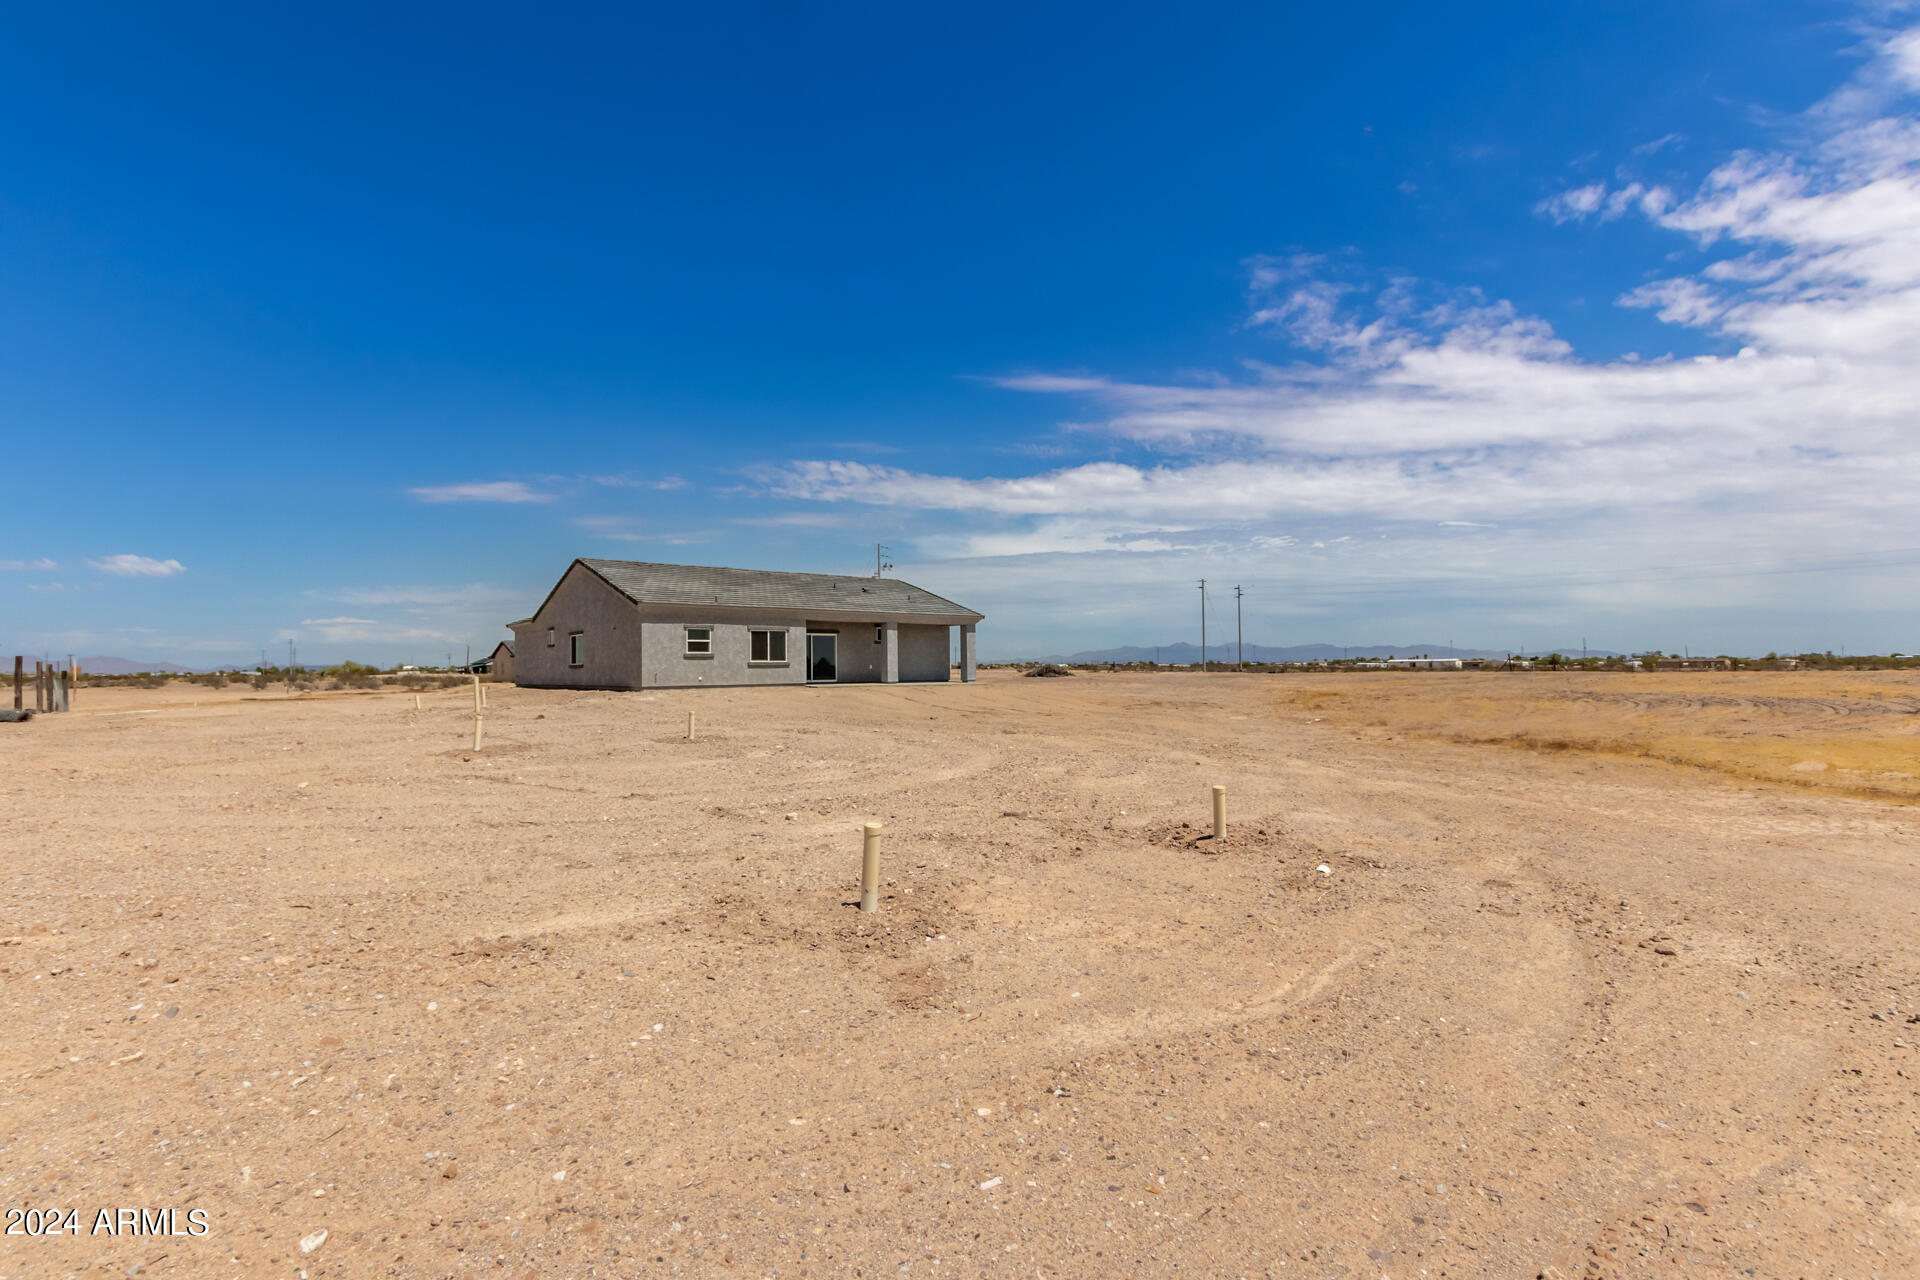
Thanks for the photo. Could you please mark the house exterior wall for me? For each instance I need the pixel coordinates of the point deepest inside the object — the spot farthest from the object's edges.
(668, 665)
(611, 632)
(501, 671)
(926, 654)
(861, 660)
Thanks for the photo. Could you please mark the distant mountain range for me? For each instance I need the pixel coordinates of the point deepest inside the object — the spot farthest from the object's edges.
(1188, 654)
(130, 667)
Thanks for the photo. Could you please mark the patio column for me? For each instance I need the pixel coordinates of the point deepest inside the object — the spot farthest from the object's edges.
(890, 668)
(967, 658)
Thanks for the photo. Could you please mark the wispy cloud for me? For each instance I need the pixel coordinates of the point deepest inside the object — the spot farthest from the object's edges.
(131, 566)
(630, 529)
(486, 491)
(662, 483)
(475, 594)
(12, 566)
(796, 519)
(1599, 201)
(1410, 402)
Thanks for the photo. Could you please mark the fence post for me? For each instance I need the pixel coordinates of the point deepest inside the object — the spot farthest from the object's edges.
(18, 691)
(870, 868)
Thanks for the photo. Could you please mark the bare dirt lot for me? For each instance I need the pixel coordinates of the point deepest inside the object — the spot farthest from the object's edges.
(593, 1001)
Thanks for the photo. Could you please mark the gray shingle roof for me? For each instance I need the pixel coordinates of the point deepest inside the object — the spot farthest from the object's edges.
(647, 583)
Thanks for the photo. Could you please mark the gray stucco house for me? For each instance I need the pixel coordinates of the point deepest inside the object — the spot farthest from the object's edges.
(627, 624)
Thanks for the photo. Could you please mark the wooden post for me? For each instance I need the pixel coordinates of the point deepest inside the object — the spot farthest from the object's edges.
(689, 726)
(1219, 812)
(18, 682)
(39, 686)
(870, 868)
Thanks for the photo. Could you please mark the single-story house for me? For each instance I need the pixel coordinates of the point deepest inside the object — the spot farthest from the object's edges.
(627, 624)
(500, 663)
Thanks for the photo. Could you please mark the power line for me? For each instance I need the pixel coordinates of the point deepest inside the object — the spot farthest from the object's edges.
(1239, 634)
(1203, 625)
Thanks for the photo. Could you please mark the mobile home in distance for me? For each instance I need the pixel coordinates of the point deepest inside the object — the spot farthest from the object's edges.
(627, 624)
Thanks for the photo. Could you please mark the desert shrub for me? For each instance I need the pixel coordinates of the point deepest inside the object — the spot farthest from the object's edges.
(151, 682)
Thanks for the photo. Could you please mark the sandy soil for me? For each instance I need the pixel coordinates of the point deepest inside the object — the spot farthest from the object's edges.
(592, 1001)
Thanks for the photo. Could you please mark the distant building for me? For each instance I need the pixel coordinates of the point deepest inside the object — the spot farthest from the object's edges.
(625, 624)
(1426, 664)
(500, 663)
(1695, 664)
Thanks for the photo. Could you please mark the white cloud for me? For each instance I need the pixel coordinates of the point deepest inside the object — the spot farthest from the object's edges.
(1424, 404)
(664, 483)
(130, 566)
(15, 566)
(472, 594)
(1580, 202)
(489, 491)
(1779, 457)
(389, 635)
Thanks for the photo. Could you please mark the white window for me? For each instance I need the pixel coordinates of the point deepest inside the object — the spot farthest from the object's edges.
(768, 646)
(576, 648)
(880, 634)
(700, 641)
(549, 637)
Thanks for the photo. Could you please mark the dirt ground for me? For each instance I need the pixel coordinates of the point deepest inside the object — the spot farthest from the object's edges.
(593, 1001)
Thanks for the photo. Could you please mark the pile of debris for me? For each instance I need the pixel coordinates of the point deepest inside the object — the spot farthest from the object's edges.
(1049, 669)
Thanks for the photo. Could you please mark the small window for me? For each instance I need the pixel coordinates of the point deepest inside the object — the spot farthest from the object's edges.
(576, 648)
(549, 637)
(700, 641)
(880, 634)
(769, 646)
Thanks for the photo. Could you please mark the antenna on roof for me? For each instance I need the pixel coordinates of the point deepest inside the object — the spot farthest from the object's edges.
(880, 562)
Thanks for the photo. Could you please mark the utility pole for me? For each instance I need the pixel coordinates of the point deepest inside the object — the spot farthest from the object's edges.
(289, 657)
(1203, 625)
(1239, 636)
(880, 562)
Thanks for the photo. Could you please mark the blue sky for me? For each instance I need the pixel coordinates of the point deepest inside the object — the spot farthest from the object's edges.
(1503, 323)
